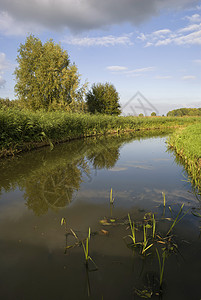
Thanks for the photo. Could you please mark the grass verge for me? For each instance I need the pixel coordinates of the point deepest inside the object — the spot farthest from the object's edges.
(187, 144)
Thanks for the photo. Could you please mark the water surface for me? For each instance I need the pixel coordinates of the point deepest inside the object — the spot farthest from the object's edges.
(73, 181)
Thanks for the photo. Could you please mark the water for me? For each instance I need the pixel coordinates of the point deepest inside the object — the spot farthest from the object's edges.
(73, 182)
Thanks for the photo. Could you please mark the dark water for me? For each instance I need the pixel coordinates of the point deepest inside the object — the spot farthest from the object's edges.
(73, 181)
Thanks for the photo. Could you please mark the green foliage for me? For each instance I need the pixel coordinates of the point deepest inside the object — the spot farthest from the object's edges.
(153, 114)
(187, 144)
(104, 99)
(141, 115)
(184, 112)
(22, 129)
(5, 103)
(45, 77)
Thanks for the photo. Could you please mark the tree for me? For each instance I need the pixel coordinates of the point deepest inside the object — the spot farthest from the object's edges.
(141, 115)
(153, 114)
(45, 77)
(184, 112)
(104, 99)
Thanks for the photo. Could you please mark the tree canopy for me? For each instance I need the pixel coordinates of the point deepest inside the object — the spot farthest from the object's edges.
(184, 112)
(104, 99)
(45, 77)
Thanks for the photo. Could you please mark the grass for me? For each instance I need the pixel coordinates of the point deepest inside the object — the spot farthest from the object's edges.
(132, 227)
(23, 130)
(177, 219)
(161, 265)
(187, 145)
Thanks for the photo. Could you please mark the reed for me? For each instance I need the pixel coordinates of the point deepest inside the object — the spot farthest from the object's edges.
(177, 219)
(86, 250)
(132, 227)
(23, 130)
(154, 226)
(145, 245)
(161, 265)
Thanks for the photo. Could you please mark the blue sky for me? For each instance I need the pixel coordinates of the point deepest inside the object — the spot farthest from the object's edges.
(151, 46)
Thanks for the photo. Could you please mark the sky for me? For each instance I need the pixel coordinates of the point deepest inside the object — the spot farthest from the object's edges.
(150, 50)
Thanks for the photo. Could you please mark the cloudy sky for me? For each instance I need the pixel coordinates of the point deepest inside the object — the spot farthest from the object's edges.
(150, 46)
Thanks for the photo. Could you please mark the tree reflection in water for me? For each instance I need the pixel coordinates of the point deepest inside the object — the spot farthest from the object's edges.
(54, 189)
(50, 179)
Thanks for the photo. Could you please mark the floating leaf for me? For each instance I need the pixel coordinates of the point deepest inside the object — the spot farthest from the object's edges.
(104, 232)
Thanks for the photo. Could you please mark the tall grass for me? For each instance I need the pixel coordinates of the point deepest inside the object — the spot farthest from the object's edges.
(187, 144)
(21, 129)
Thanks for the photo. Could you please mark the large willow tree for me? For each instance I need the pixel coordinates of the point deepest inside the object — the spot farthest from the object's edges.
(45, 77)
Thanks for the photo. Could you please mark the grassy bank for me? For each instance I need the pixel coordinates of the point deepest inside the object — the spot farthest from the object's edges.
(24, 130)
(187, 144)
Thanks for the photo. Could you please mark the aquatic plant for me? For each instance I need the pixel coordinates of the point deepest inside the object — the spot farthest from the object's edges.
(145, 245)
(132, 227)
(161, 263)
(63, 222)
(154, 226)
(86, 250)
(177, 219)
(111, 197)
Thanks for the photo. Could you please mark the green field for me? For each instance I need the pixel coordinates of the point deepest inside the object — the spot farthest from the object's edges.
(23, 130)
(187, 144)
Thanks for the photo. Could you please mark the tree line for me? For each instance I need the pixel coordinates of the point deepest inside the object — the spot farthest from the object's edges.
(47, 80)
(180, 112)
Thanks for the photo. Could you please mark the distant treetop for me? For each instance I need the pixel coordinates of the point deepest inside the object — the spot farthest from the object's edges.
(184, 112)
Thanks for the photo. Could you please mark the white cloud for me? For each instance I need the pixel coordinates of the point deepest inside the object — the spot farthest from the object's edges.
(197, 61)
(161, 33)
(189, 77)
(189, 35)
(116, 68)
(141, 70)
(4, 65)
(193, 27)
(131, 73)
(196, 18)
(2, 82)
(110, 40)
(163, 77)
(3, 62)
(80, 15)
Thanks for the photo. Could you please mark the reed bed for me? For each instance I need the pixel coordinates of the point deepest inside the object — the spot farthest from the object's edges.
(187, 145)
(23, 130)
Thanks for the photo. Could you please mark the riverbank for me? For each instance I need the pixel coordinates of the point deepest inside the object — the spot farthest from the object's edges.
(22, 130)
(187, 145)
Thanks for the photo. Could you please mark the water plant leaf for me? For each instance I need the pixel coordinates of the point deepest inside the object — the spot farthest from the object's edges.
(196, 214)
(63, 221)
(74, 234)
(105, 222)
(104, 232)
(148, 226)
(164, 200)
(111, 197)
(177, 219)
